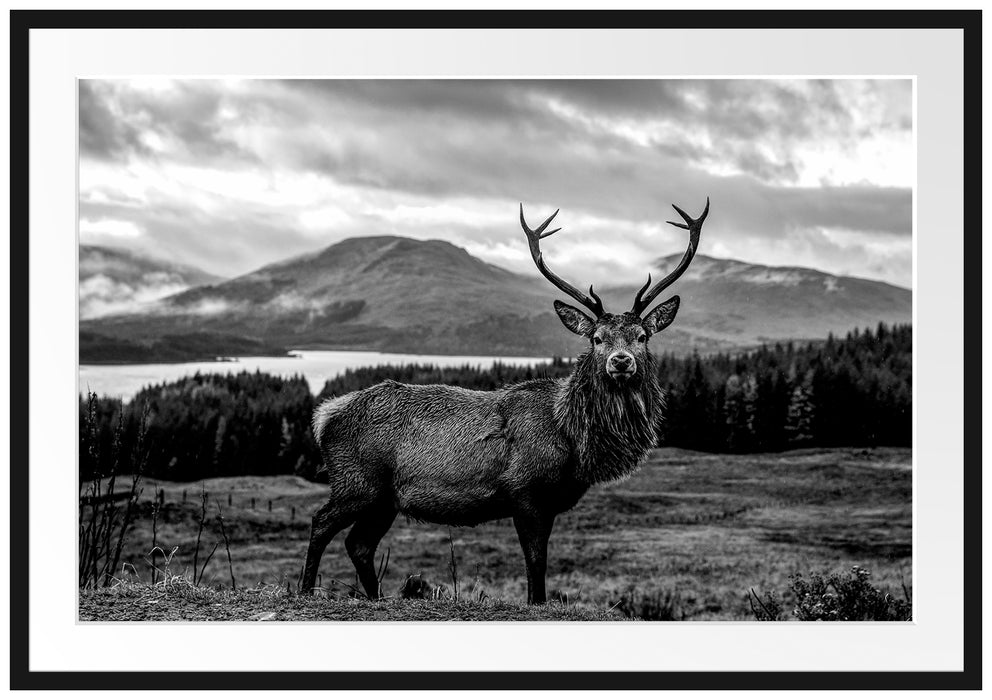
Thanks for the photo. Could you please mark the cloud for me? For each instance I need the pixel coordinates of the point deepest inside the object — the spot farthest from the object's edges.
(102, 134)
(205, 307)
(108, 228)
(101, 295)
(231, 175)
(118, 119)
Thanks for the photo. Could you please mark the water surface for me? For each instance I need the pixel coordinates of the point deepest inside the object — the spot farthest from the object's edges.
(316, 366)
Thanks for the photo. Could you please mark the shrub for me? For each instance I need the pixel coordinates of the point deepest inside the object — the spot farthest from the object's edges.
(768, 609)
(835, 598)
(416, 588)
(656, 605)
(846, 598)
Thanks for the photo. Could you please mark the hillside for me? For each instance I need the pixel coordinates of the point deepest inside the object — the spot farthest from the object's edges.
(402, 295)
(115, 280)
(95, 349)
(380, 293)
(742, 304)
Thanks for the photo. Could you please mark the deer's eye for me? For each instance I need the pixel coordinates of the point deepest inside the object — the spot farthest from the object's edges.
(597, 340)
(642, 339)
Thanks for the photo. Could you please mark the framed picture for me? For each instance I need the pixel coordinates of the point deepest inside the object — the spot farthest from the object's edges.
(332, 391)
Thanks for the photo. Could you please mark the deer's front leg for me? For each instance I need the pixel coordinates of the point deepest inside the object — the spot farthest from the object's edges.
(534, 530)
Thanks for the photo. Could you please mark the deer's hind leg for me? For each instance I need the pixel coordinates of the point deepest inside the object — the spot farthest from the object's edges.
(331, 519)
(363, 540)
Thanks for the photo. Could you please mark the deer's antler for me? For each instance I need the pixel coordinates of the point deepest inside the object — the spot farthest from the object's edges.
(591, 302)
(694, 226)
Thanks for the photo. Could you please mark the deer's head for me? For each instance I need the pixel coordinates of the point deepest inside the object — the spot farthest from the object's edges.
(618, 342)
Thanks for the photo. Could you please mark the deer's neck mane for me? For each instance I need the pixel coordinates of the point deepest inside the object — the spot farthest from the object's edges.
(610, 426)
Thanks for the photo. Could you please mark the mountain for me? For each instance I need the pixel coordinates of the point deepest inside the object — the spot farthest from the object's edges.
(402, 295)
(739, 303)
(114, 280)
(380, 293)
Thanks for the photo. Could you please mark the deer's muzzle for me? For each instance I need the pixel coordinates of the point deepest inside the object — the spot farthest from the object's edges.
(621, 365)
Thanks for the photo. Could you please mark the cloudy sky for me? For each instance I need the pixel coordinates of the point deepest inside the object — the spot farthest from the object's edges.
(231, 175)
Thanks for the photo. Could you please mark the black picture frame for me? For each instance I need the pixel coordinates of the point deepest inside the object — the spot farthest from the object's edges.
(22, 678)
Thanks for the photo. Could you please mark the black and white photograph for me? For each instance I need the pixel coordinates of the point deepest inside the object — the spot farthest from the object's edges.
(493, 350)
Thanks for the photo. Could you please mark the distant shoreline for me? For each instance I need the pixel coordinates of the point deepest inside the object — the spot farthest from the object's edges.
(98, 349)
(227, 360)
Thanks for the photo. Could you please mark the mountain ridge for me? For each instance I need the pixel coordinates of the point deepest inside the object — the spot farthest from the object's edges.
(670, 261)
(390, 293)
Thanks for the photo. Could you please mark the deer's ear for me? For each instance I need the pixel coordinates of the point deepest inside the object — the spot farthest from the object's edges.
(662, 316)
(575, 320)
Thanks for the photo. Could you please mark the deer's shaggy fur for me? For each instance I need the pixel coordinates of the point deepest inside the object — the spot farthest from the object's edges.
(610, 426)
(458, 457)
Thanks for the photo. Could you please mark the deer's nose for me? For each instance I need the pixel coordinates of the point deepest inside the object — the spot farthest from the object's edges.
(621, 362)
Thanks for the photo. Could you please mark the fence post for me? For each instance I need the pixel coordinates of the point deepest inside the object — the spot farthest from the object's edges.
(253, 503)
(270, 506)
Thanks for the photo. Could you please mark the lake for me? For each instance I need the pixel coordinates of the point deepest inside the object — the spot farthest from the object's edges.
(316, 366)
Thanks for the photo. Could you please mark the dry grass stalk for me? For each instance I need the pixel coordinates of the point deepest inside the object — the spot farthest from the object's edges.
(103, 528)
(452, 566)
(227, 545)
(199, 530)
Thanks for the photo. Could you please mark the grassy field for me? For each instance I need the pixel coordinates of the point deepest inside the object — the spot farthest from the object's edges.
(685, 538)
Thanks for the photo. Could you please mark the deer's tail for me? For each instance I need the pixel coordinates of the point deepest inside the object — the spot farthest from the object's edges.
(325, 413)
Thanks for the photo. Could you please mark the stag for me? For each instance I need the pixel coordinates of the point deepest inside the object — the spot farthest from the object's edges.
(529, 451)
